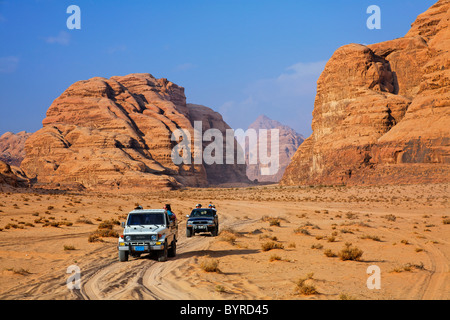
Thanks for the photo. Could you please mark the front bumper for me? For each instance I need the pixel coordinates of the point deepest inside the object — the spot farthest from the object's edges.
(202, 227)
(140, 247)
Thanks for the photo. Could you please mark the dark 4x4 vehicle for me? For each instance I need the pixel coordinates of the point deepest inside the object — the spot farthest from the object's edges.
(202, 220)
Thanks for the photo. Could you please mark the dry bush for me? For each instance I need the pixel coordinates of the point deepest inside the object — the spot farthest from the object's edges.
(274, 222)
(20, 271)
(345, 296)
(350, 253)
(227, 236)
(271, 245)
(108, 224)
(390, 217)
(305, 289)
(274, 257)
(409, 267)
(374, 238)
(84, 220)
(329, 253)
(209, 264)
(301, 230)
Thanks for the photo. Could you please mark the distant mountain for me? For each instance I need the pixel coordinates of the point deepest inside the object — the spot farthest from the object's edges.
(289, 141)
(12, 147)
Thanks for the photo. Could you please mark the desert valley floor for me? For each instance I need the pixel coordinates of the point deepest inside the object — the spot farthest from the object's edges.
(275, 243)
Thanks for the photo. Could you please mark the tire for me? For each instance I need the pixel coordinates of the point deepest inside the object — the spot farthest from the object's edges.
(123, 256)
(173, 249)
(188, 232)
(216, 231)
(162, 255)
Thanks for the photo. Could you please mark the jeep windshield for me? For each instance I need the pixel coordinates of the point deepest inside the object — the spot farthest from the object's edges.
(139, 219)
(199, 213)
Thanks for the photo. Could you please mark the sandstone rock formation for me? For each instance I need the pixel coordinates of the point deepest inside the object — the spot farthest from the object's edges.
(12, 147)
(382, 111)
(116, 133)
(289, 141)
(12, 176)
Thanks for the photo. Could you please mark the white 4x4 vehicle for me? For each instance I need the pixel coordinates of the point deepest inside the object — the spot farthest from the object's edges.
(146, 231)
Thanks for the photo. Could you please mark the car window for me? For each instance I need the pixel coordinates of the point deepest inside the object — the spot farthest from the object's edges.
(145, 219)
(202, 213)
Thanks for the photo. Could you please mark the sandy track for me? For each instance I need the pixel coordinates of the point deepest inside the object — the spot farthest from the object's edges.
(144, 278)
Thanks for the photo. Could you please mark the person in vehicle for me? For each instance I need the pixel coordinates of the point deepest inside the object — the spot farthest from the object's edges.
(198, 206)
(170, 213)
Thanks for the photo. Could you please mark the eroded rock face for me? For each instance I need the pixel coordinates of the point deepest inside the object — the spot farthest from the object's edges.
(116, 133)
(382, 112)
(289, 141)
(12, 176)
(12, 147)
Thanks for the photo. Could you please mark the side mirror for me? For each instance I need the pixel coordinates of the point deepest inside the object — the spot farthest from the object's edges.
(123, 224)
(187, 216)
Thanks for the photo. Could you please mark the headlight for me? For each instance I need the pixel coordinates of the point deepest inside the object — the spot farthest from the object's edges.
(127, 238)
(154, 237)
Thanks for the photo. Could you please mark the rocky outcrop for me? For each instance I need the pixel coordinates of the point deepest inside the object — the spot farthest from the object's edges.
(12, 176)
(382, 111)
(12, 147)
(289, 141)
(116, 134)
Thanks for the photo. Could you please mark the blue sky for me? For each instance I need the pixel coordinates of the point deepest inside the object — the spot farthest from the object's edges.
(241, 58)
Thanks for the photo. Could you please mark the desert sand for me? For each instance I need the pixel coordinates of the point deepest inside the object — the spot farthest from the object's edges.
(404, 230)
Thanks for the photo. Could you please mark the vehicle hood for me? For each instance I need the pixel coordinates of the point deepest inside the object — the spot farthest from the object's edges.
(139, 230)
(201, 218)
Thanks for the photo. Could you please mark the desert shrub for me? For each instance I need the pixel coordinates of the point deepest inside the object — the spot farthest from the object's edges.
(390, 217)
(374, 238)
(446, 221)
(408, 267)
(301, 230)
(274, 257)
(108, 224)
(220, 288)
(209, 264)
(20, 271)
(68, 247)
(271, 245)
(84, 220)
(345, 296)
(306, 289)
(317, 246)
(275, 222)
(329, 253)
(350, 253)
(227, 237)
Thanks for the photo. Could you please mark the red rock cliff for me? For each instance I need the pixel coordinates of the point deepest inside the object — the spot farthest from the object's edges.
(382, 111)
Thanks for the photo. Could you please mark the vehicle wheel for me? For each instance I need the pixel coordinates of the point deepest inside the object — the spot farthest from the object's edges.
(215, 231)
(162, 255)
(123, 256)
(188, 232)
(173, 249)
